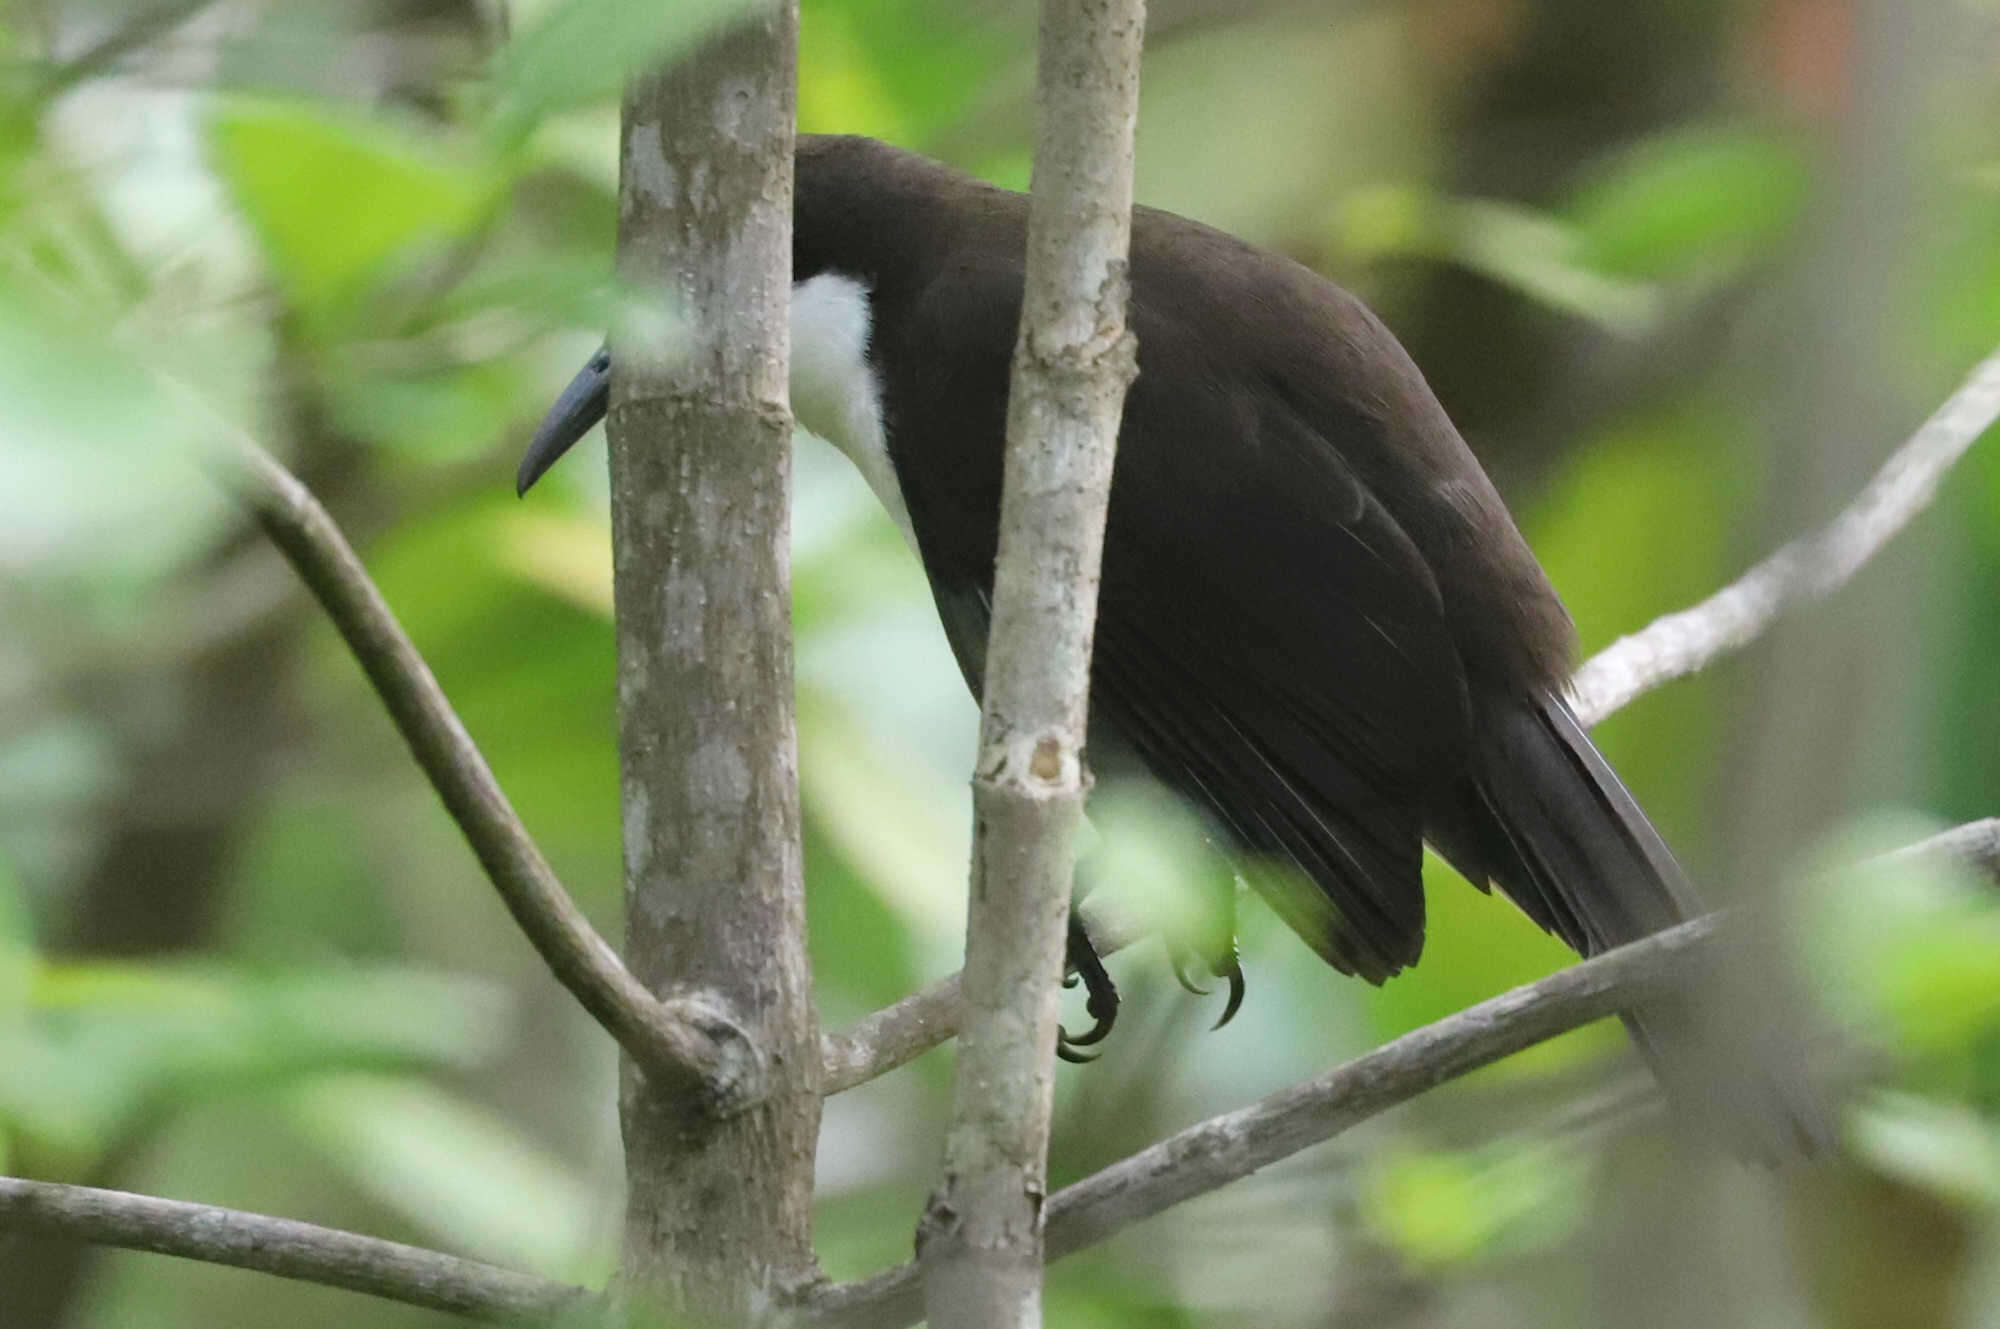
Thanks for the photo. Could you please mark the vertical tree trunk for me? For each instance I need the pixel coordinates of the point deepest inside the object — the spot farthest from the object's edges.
(981, 1235)
(718, 1217)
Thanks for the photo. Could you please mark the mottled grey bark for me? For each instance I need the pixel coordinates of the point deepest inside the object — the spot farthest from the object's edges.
(981, 1234)
(718, 1215)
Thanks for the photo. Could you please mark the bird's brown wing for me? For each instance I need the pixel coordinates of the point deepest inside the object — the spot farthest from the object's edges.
(1269, 641)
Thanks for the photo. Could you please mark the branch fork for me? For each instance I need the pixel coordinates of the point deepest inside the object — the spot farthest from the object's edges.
(690, 1044)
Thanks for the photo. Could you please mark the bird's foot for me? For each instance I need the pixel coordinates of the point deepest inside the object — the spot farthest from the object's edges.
(1228, 967)
(1233, 971)
(1102, 1004)
(1183, 963)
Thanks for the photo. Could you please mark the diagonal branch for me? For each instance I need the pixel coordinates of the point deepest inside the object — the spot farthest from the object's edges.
(675, 1041)
(1976, 845)
(285, 1248)
(1672, 646)
(1226, 1148)
(1235, 1144)
(893, 1036)
(1808, 569)
(102, 55)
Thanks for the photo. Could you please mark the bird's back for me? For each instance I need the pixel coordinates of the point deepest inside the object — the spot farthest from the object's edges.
(1218, 311)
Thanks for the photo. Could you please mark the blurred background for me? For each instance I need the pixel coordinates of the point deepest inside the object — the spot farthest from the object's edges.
(1683, 271)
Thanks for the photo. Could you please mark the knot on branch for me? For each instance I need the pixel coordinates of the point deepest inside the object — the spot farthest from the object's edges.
(941, 1220)
(1039, 765)
(732, 1073)
(1099, 362)
(1077, 347)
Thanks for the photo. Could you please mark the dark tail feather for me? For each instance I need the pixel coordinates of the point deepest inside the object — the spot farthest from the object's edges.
(1546, 818)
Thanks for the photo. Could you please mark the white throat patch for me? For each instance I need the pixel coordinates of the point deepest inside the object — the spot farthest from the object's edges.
(835, 392)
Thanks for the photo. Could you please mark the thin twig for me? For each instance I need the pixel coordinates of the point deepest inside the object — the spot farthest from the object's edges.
(1671, 647)
(1975, 844)
(674, 1041)
(891, 1037)
(1809, 568)
(900, 1033)
(285, 1248)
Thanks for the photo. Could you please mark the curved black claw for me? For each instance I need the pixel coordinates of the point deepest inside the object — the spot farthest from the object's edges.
(1236, 985)
(1103, 1001)
(1182, 961)
(1066, 1050)
(1103, 1009)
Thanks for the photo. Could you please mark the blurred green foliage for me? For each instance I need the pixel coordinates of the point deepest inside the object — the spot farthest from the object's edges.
(243, 957)
(334, 198)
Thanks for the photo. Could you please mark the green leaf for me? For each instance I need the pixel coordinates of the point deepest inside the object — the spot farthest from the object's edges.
(1478, 945)
(530, 677)
(566, 555)
(583, 51)
(17, 947)
(1641, 521)
(335, 197)
(94, 446)
(859, 75)
(896, 830)
(1906, 945)
(1149, 856)
(1684, 205)
(465, 1176)
(1547, 260)
(1945, 1148)
(563, 290)
(105, 1043)
(1449, 1208)
(1539, 255)
(446, 414)
(1688, 200)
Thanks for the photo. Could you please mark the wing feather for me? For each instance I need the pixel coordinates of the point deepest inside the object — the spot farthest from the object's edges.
(1270, 643)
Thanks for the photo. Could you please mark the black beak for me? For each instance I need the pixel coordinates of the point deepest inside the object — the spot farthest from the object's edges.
(581, 405)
